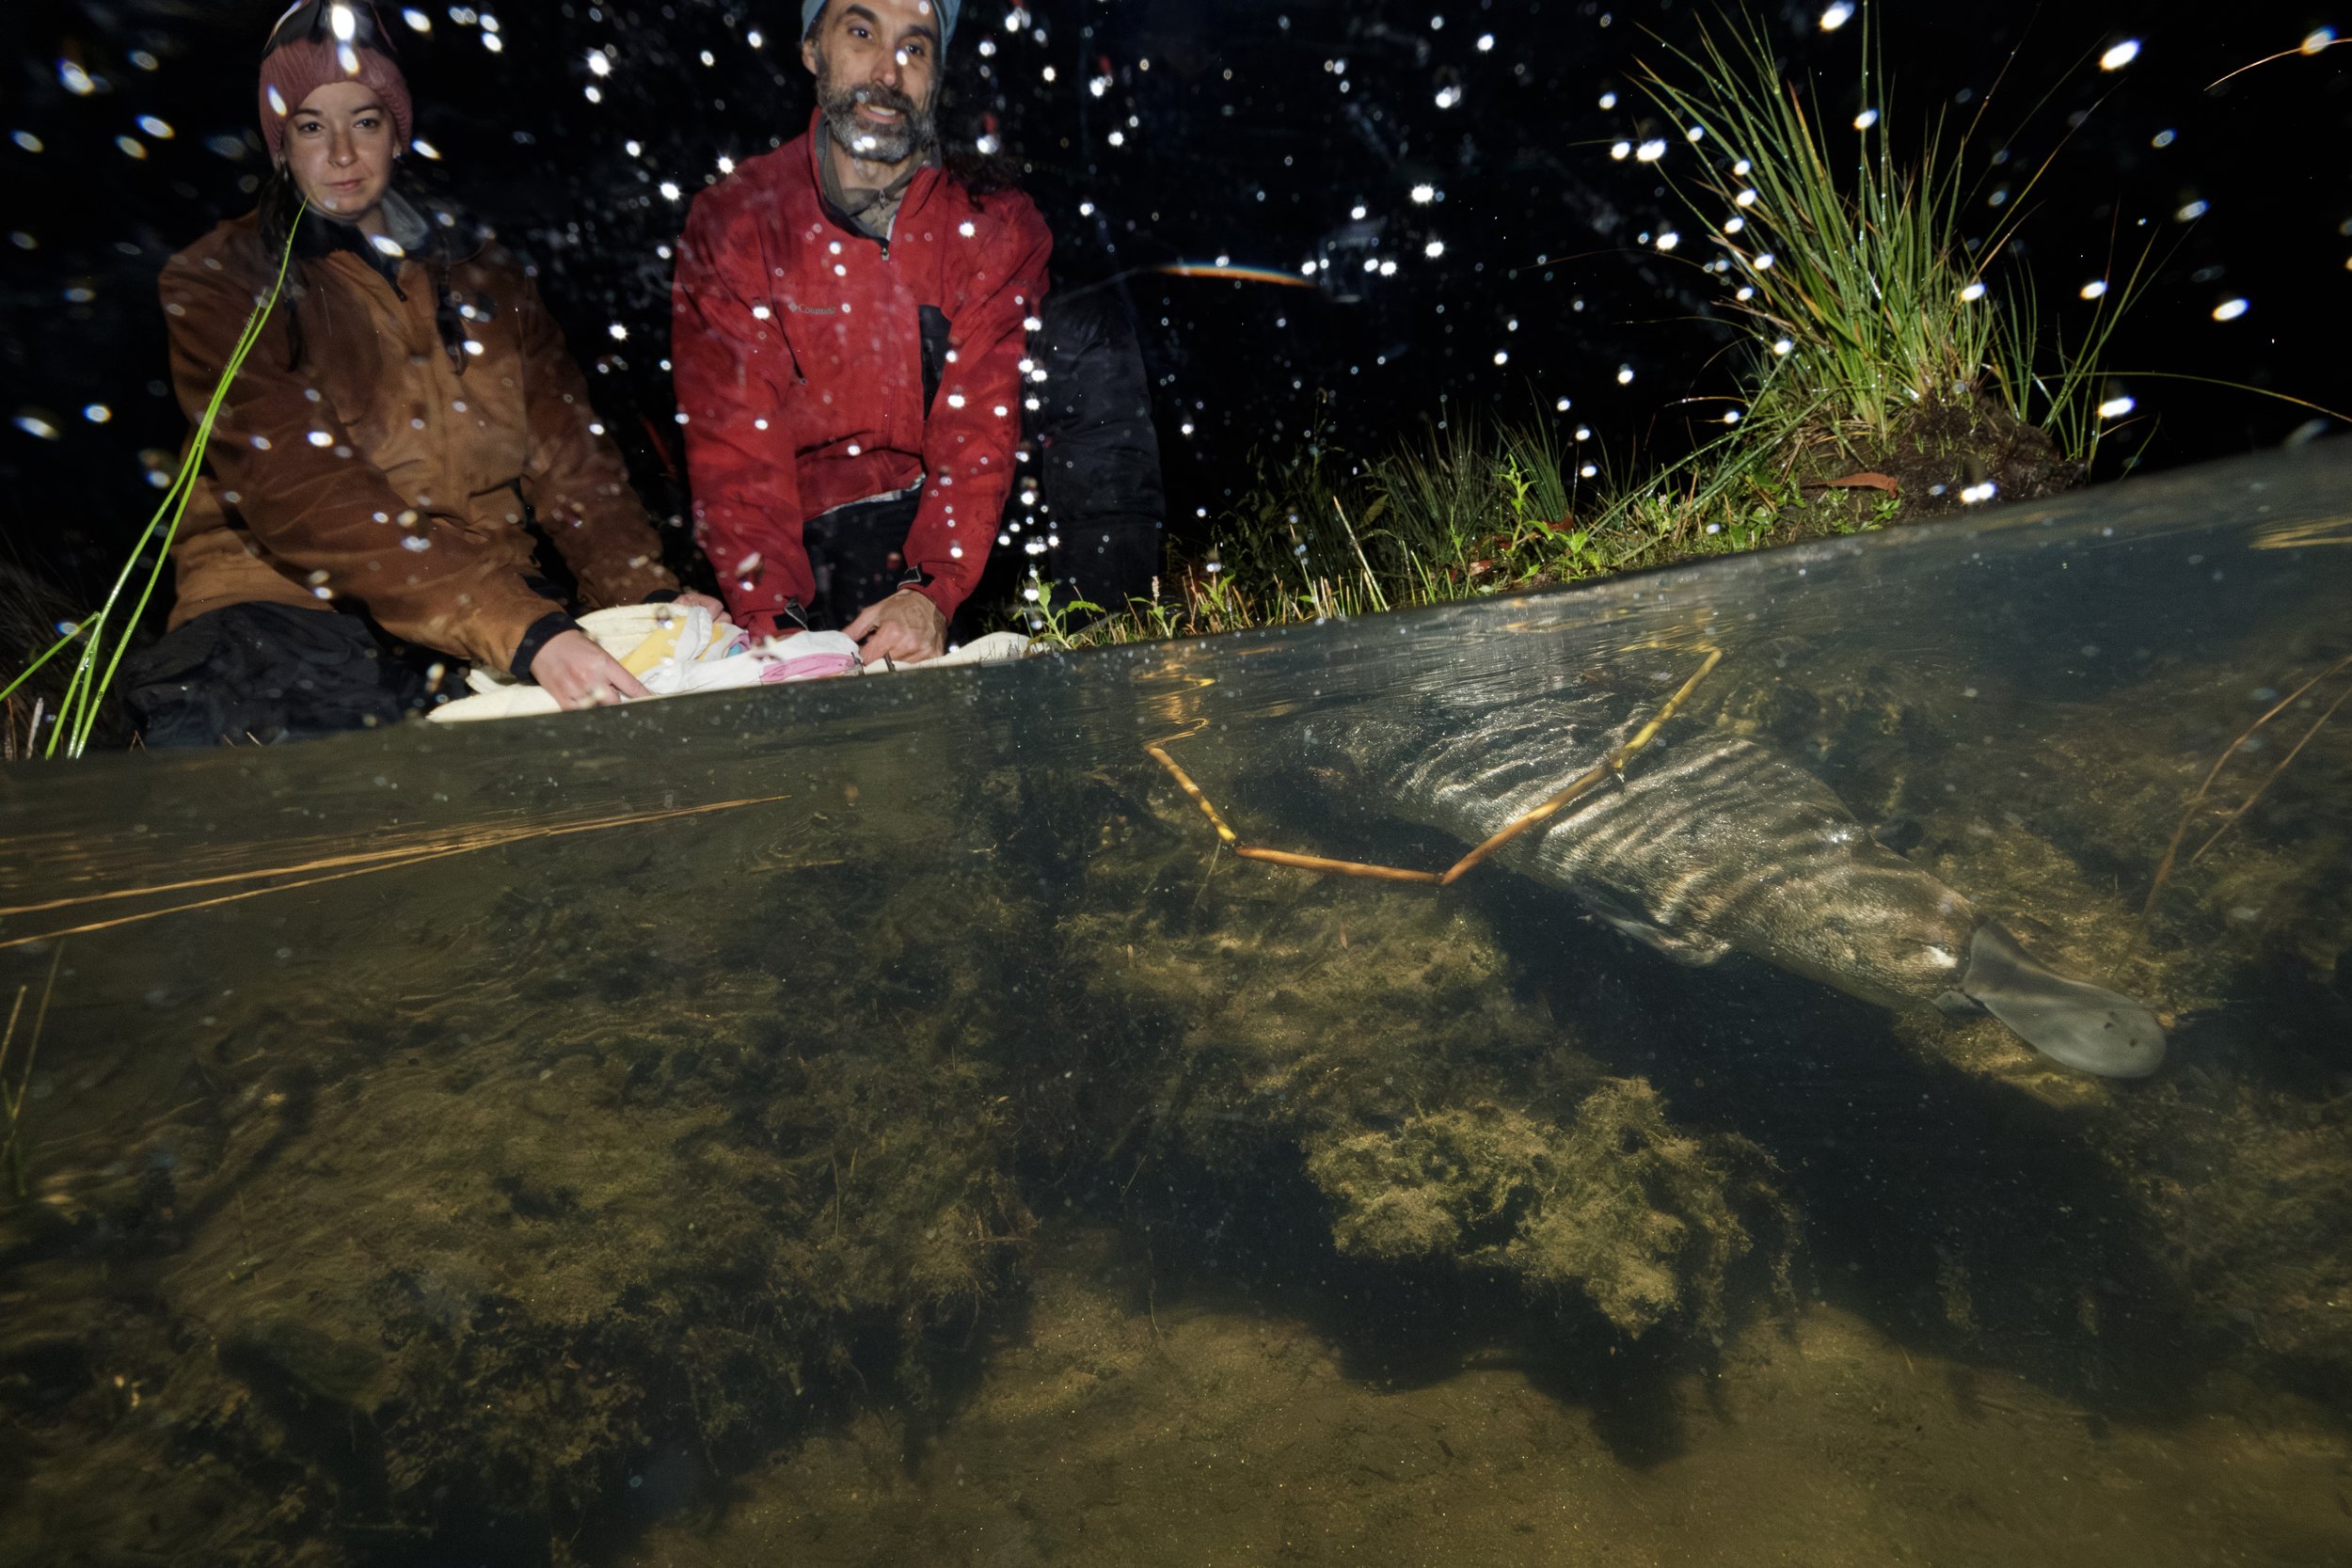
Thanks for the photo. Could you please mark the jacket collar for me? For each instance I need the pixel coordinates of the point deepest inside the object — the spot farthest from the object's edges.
(926, 179)
(408, 230)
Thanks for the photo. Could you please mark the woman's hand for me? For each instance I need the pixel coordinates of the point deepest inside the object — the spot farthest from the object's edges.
(577, 674)
(906, 627)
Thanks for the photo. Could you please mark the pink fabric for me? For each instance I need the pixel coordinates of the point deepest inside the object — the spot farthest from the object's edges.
(809, 667)
(299, 69)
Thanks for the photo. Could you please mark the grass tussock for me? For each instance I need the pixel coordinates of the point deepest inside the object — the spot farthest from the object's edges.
(1889, 373)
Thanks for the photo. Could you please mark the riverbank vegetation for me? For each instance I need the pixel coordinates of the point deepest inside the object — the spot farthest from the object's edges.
(1892, 369)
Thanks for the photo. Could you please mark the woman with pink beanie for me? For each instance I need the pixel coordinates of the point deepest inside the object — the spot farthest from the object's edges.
(404, 434)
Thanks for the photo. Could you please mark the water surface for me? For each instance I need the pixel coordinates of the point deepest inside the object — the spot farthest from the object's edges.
(874, 1122)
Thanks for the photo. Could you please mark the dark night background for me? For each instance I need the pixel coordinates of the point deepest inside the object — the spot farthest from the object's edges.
(1247, 131)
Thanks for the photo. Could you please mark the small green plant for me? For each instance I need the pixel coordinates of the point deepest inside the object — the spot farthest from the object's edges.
(1045, 620)
(1868, 308)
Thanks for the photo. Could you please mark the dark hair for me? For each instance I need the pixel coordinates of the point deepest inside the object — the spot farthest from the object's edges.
(960, 119)
(281, 206)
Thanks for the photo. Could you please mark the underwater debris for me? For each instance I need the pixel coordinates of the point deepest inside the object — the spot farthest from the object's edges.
(2231, 817)
(1642, 1218)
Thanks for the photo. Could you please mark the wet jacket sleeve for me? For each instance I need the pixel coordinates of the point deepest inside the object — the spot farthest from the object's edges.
(321, 512)
(733, 372)
(575, 483)
(975, 421)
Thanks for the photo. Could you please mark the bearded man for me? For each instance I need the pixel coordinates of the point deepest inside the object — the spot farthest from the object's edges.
(847, 329)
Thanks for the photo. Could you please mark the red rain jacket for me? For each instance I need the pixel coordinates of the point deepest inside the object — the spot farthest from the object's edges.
(798, 348)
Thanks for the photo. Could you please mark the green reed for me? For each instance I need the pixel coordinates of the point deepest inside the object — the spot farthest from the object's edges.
(104, 637)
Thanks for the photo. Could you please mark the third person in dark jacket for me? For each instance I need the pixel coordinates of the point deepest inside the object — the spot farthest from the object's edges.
(1101, 504)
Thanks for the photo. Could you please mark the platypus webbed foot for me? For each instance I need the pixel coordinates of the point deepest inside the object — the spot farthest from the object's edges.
(2077, 1024)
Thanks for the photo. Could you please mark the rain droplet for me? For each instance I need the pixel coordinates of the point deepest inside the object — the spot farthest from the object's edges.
(2121, 55)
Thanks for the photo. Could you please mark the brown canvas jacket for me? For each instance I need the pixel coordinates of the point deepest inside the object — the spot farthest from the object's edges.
(373, 469)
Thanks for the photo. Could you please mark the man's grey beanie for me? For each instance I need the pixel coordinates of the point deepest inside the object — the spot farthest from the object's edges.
(946, 9)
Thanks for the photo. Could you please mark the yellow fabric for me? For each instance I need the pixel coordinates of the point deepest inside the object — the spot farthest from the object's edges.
(653, 650)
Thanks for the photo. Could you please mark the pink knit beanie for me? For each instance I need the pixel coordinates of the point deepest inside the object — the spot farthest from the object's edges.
(295, 69)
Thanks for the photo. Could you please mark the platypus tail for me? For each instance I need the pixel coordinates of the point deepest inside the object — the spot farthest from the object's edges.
(2080, 1025)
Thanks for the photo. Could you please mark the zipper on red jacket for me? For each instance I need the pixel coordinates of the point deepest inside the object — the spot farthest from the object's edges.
(789, 351)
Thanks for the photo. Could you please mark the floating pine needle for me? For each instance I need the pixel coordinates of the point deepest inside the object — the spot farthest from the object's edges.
(2304, 535)
(2229, 817)
(2311, 45)
(1583, 784)
(2188, 813)
(337, 868)
(12, 1100)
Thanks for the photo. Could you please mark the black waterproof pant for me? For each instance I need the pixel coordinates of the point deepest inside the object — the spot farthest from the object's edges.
(1096, 455)
(263, 672)
(857, 554)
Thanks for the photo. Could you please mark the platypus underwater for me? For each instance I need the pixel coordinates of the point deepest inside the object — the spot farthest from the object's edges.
(1705, 843)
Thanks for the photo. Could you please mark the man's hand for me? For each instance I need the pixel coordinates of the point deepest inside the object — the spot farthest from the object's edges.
(577, 674)
(905, 627)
